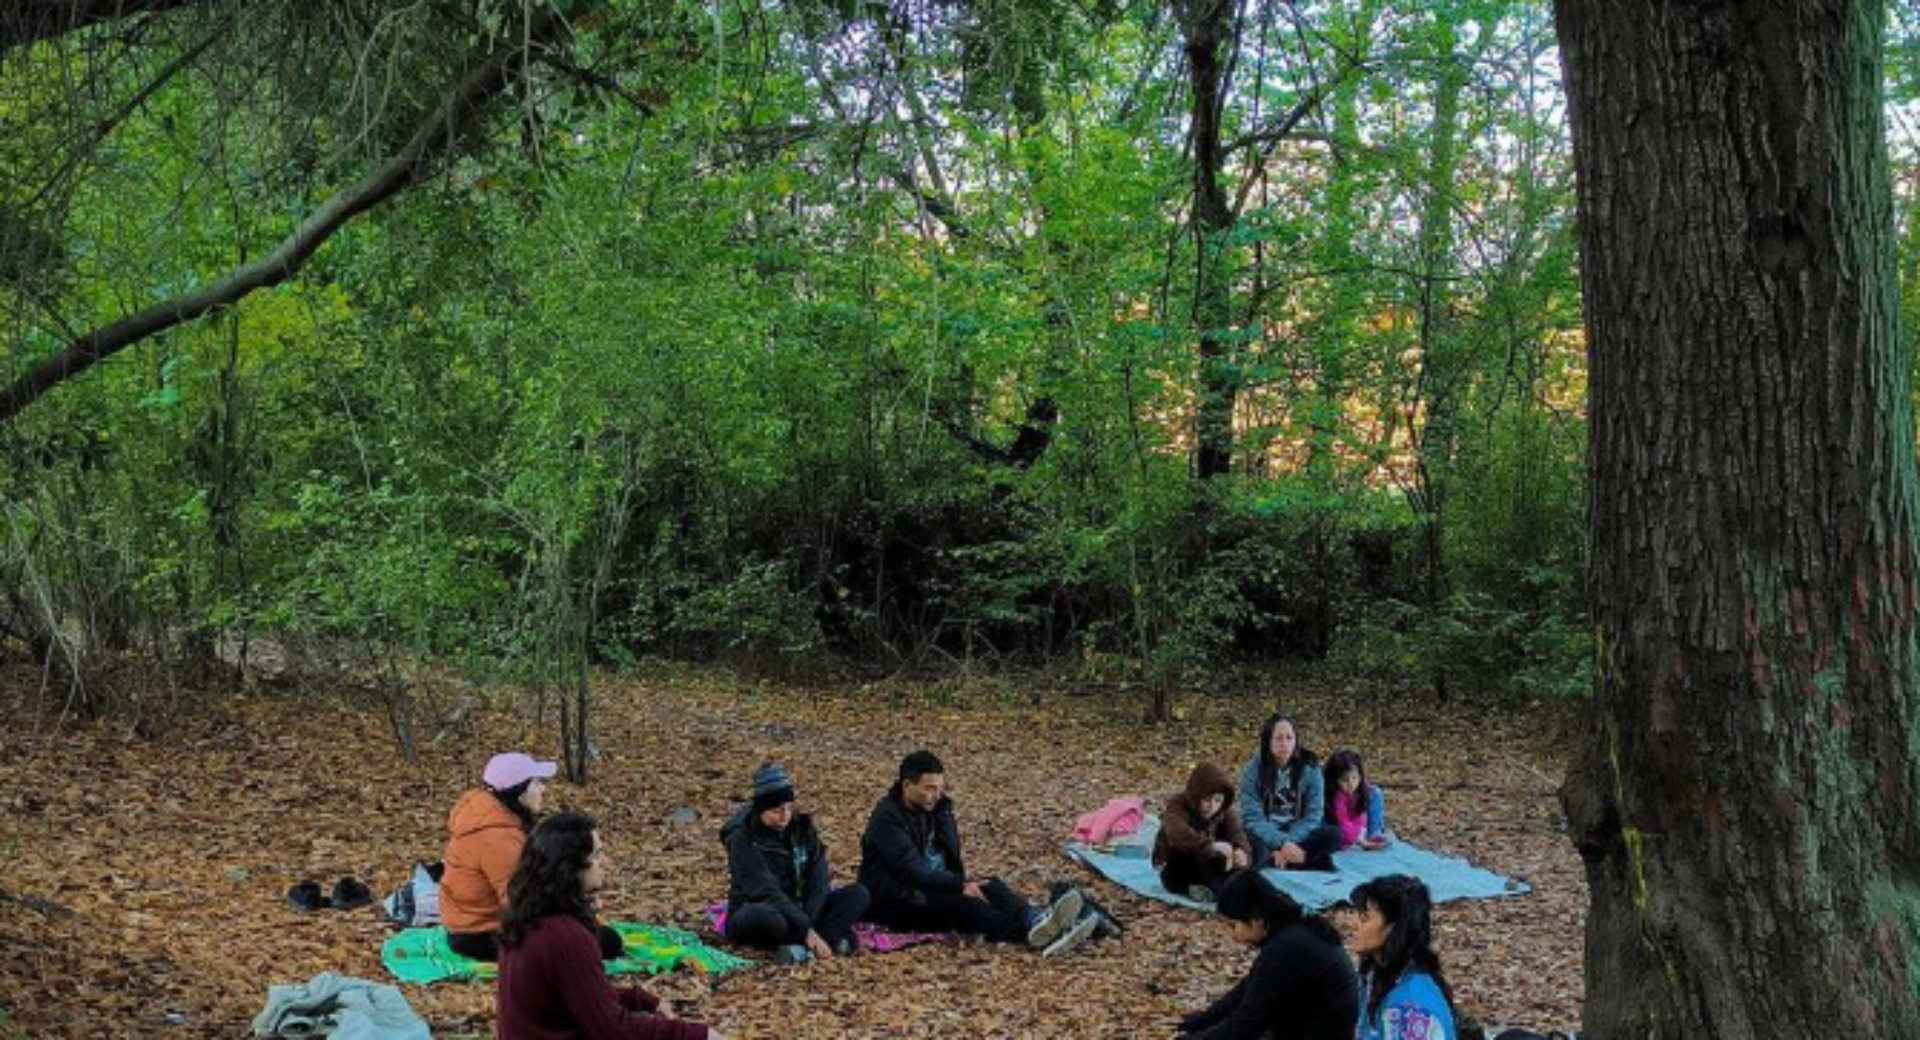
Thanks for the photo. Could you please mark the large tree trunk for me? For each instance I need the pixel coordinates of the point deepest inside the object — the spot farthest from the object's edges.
(1745, 802)
(1207, 27)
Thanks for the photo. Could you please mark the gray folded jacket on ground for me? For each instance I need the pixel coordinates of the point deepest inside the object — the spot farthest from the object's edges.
(340, 1008)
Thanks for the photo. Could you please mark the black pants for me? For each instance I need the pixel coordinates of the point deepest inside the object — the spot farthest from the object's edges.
(1180, 873)
(759, 924)
(1001, 917)
(1319, 845)
(485, 946)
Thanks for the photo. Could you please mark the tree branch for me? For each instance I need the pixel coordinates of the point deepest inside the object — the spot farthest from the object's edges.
(36, 20)
(106, 125)
(440, 132)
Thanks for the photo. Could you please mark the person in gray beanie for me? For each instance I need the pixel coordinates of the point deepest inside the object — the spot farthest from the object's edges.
(779, 893)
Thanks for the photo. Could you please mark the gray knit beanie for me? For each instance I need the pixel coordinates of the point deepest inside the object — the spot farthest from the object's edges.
(771, 787)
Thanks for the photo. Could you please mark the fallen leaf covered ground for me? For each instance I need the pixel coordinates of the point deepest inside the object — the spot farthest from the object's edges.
(143, 879)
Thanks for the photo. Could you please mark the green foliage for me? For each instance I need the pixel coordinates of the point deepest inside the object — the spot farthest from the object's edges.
(691, 359)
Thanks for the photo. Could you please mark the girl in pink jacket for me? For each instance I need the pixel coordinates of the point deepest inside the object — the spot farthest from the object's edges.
(1353, 804)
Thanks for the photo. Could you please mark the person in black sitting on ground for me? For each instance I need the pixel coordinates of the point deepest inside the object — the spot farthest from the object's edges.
(1300, 986)
(780, 894)
(911, 863)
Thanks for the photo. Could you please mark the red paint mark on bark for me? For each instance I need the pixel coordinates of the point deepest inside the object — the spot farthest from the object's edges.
(1782, 802)
(1857, 636)
(1886, 942)
(1897, 574)
(1756, 657)
(1841, 716)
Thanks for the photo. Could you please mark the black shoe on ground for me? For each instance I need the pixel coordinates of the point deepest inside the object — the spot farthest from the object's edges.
(306, 898)
(350, 894)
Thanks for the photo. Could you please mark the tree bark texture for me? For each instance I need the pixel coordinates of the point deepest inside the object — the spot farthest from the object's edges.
(1745, 798)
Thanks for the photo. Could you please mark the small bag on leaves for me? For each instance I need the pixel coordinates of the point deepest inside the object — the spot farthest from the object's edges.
(416, 903)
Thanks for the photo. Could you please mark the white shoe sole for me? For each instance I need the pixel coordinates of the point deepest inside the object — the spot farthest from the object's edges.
(1074, 936)
(1060, 917)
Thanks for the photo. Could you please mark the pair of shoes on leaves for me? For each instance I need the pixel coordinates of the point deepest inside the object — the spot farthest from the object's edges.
(1059, 916)
(1109, 926)
(348, 893)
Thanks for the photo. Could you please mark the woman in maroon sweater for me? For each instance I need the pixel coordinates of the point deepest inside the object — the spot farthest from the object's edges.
(551, 983)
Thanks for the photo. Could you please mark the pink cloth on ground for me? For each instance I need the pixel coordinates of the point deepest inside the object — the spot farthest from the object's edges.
(871, 937)
(1119, 816)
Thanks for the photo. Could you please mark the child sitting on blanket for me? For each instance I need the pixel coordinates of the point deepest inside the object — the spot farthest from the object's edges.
(1200, 841)
(1354, 805)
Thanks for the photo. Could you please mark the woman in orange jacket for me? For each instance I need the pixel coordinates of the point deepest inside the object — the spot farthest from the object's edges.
(486, 831)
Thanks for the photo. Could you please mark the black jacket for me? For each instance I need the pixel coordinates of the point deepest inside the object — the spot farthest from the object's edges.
(893, 851)
(785, 869)
(1300, 986)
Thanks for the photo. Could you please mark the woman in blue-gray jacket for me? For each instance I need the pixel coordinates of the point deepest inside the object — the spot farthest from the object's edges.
(1283, 802)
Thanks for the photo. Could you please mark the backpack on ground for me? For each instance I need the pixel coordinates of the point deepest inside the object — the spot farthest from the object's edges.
(416, 903)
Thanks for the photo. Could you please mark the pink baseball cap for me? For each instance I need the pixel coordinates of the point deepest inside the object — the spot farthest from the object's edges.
(512, 768)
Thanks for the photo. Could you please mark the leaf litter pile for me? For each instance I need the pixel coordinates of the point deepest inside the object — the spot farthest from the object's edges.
(143, 881)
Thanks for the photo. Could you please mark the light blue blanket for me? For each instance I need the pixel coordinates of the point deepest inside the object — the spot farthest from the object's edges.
(1447, 877)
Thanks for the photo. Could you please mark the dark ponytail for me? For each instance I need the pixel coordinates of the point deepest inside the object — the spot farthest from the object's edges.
(510, 797)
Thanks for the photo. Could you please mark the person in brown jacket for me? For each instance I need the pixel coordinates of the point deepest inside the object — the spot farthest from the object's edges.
(1200, 841)
(485, 833)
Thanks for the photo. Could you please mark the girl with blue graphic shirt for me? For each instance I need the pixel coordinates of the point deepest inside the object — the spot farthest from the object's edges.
(1404, 994)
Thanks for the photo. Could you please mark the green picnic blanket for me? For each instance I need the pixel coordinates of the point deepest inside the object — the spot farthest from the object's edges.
(420, 956)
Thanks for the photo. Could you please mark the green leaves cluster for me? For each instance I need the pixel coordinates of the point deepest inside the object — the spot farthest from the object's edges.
(814, 329)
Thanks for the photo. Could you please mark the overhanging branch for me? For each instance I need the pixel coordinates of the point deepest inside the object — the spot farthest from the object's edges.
(440, 132)
(36, 20)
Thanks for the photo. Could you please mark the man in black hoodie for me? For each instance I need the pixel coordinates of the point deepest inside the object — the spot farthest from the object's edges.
(779, 890)
(911, 864)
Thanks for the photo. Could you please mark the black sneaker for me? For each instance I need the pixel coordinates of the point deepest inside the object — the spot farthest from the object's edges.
(350, 894)
(306, 898)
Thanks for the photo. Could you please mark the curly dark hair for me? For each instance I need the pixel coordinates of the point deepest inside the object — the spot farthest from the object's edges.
(1408, 909)
(547, 881)
(1246, 896)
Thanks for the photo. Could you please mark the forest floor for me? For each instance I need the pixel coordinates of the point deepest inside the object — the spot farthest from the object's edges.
(143, 879)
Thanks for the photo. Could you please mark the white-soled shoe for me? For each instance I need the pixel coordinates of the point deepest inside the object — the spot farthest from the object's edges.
(1055, 919)
(1073, 936)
